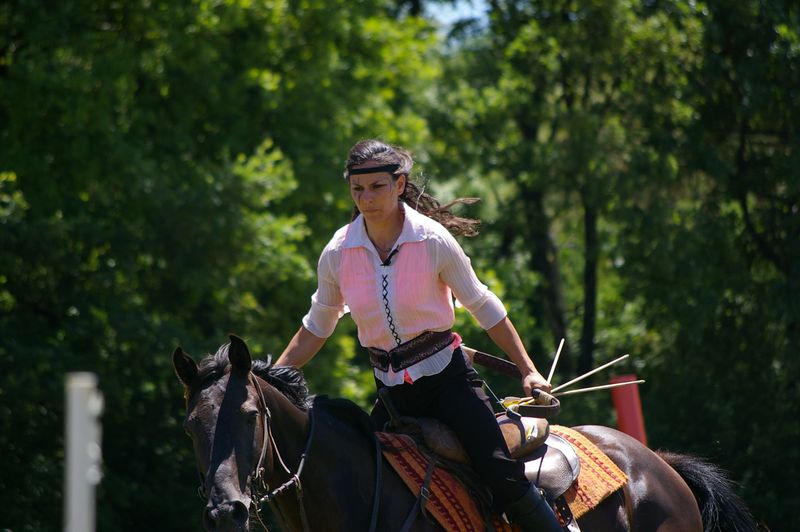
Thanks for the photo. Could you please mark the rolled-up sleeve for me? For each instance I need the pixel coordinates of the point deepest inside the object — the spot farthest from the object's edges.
(327, 303)
(455, 269)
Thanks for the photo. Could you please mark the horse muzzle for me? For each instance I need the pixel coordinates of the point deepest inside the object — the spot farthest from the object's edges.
(229, 516)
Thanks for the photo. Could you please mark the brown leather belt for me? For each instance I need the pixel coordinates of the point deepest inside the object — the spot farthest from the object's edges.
(409, 353)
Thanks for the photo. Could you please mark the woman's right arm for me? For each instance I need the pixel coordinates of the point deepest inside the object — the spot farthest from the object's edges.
(302, 348)
(327, 306)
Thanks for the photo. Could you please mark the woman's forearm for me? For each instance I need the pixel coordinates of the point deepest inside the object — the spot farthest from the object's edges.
(302, 348)
(505, 335)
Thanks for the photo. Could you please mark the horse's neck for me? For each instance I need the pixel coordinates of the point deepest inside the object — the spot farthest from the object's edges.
(338, 470)
(332, 435)
(341, 480)
(289, 424)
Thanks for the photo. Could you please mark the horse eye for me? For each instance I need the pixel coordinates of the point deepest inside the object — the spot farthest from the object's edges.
(252, 415)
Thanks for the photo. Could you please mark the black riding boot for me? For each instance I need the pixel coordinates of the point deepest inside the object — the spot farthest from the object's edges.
(532, 513)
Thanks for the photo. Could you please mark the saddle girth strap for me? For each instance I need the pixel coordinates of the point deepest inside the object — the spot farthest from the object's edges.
(422, 499)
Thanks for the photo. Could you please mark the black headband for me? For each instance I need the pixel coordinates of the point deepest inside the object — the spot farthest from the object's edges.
(371, 170)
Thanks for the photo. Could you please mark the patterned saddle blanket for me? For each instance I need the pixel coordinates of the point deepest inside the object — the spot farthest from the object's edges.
(455, 506)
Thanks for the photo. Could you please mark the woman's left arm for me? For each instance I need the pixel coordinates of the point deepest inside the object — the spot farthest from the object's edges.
(505, 335)
(456, 271)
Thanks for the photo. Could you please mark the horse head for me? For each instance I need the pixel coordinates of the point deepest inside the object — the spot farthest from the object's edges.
(228, 418)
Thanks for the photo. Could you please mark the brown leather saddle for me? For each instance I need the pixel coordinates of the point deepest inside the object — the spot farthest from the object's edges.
(550, 461)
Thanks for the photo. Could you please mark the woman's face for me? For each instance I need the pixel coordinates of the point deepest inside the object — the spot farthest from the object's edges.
(376, 195)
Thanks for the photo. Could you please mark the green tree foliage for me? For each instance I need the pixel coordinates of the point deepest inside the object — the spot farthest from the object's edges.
(640, 165)
(169, 173)
(162, 165)
(562, 109)
(732, 243)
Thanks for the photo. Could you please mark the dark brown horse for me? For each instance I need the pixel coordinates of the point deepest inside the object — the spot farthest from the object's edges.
(258, 437)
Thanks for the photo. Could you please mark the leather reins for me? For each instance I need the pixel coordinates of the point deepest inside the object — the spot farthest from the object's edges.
(259, 480)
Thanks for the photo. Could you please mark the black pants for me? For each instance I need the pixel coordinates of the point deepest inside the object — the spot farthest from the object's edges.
(455, 397)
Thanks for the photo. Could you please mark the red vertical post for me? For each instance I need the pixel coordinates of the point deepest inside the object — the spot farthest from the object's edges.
(629, 407)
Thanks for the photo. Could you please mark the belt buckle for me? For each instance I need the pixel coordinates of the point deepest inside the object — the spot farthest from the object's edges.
(394, 361)
(425, 493)
(385, 360)
(379, 359)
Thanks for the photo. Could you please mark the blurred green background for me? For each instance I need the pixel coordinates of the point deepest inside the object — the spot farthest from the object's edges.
(170, 171)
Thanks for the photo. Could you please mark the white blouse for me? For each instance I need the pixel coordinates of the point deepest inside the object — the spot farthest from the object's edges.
(394, 302)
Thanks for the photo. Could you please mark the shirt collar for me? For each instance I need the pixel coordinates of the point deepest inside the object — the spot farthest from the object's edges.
(414, 230)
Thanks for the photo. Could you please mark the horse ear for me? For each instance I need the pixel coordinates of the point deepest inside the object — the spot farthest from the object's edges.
(185, 367)
(239, 355)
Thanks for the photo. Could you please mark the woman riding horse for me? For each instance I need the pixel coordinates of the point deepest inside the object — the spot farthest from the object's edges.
(258, 437)
(396, 266)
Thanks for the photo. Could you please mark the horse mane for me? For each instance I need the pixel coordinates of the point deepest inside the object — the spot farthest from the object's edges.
(287, 380)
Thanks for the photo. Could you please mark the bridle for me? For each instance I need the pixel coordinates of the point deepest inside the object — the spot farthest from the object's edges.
(259, 484)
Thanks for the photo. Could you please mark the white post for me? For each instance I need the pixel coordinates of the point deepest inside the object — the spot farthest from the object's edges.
(83, 451)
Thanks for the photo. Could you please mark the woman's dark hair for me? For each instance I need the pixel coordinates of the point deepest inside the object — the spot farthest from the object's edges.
(414, 195)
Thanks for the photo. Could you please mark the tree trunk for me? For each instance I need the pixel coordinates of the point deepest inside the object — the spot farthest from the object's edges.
(586, 359)
(544, 260)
